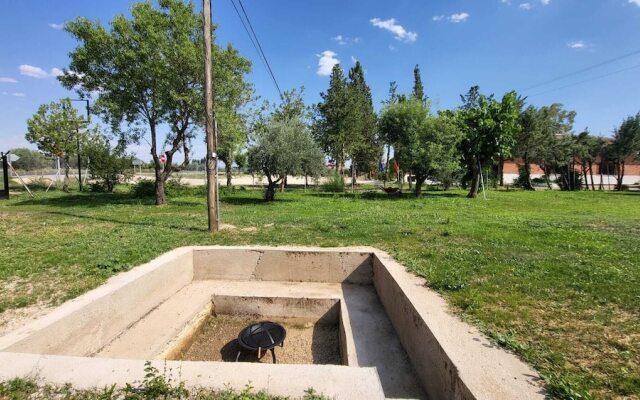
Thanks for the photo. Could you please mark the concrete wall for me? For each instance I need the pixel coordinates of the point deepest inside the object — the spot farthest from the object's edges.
(289, 265)
(86, 324)
(452, 359)
(324, 311)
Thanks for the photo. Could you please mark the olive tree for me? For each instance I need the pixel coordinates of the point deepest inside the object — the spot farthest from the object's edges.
(284, 148)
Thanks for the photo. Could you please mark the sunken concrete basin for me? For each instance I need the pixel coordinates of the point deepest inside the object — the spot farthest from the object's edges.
(397, 338)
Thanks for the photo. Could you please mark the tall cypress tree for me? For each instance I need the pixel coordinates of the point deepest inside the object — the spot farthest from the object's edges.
(330, 125)
(365, 146)
(418, 88)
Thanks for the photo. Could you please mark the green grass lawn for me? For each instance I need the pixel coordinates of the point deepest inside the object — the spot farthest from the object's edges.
(553, 276)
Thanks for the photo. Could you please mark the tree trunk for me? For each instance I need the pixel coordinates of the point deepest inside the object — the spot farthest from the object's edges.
(282, 183)
(67, 167)
(159, 184)
(306, 181)
(501, 170)
(160, 195)
(386, 166)
(353, 175)
(593, 187)
(227, 168)
(620, 176)
(584, 174)
(601, 188)
(475, 182)
(419, 183)
(527, 170)
(546, 176)
(270, 193)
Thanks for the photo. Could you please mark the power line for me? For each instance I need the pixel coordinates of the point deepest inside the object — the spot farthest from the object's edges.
(260, 46)
(256, 43)
(589, 68)
(587, 80)
(255, 46)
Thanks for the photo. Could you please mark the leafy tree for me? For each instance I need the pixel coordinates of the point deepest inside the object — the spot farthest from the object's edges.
(589, 149)
(423, 144)
(233, 132)
(541, 129)
(54, 128)
(283, 148)
(489, 128)
(393, 99)
(625, 145)
(147, 71)
(108, 165)
(418, 88)
(292, 107)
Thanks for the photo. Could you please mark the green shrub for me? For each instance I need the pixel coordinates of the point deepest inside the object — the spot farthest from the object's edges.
(335, 184)
(144, 188)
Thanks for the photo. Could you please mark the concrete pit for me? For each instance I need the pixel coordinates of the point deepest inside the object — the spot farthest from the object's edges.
(359, 327)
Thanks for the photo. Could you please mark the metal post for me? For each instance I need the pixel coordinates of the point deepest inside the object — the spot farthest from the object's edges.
(79, 163)
(5, 176)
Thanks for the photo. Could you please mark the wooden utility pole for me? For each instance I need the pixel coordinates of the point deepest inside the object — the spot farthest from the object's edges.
(210, 124)
(5, 176)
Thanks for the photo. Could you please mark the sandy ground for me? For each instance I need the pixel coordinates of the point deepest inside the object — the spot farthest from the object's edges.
(15, 318)
(304, 344)
(199, 179)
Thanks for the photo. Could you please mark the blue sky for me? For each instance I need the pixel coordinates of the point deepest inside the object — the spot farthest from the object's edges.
(497, 44)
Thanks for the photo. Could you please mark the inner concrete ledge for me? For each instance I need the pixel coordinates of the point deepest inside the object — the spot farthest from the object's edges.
(397, 337)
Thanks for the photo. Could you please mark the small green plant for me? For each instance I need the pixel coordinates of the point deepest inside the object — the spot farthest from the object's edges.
(335, 183)
(144, 188)
(155, 386)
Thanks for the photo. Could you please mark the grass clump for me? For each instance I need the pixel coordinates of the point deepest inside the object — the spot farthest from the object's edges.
(155, 385)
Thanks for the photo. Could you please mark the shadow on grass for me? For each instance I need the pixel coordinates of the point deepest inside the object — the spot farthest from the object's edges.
(160, 224)
(388, 196)
(95, 200)
(88, 200)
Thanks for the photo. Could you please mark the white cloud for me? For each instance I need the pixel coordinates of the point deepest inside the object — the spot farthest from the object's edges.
(546, 2)
(56, 26)
(342, 40)
(354, 60)
(507, 2)
(15, 94)
(636, 2)
(525, 6)
(457, 18)
(34, 72)
(7, 80)
(392, 47)
(326, 62)
(391, 25)
(578, 45)
(37, 72)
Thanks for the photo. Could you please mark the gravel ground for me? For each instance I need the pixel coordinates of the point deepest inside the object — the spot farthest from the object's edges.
(304, 344)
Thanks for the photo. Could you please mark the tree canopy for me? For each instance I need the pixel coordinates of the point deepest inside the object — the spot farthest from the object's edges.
(489, 128)
(55, 129)
(148, 70)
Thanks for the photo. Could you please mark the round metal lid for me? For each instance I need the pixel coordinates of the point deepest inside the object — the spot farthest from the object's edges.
(264, 335)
